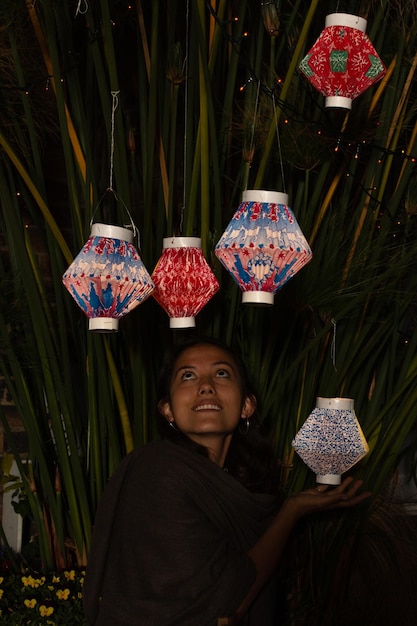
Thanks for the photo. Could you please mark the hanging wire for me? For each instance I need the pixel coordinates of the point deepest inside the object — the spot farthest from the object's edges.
(82, 7)
(115, 104)
(333, 346)
(187, 30)
(279, 144)
(255, 116)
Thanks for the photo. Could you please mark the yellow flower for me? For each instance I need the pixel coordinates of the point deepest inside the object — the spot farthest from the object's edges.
(30, 603)
(1, 593)
(46, 611)
(55, 579)
(1, 579)
(63, 594)
(70, 575)
(29, 581)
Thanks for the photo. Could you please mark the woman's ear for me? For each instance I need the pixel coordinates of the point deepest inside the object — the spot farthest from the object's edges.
(165, 409)
(248, 407)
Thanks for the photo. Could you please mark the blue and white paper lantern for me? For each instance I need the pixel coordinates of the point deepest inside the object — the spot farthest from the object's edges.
(331, 440)
(263, 245)
(108, 279)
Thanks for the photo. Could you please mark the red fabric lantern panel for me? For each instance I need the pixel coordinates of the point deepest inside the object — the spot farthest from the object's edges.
(107, 279)
(184, 282)
(343, 62)
(263, 246)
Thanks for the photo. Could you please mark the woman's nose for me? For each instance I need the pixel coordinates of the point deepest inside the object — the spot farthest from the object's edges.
(206, 386)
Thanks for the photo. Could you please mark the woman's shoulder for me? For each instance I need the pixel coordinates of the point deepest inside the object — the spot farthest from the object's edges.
(156, 453)
(160, 459)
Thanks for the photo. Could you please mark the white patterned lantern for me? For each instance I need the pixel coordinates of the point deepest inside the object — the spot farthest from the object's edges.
(331, 441)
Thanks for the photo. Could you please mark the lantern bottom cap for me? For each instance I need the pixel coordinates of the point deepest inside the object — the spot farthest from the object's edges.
(260, 298)
(103, 324)
(338, 102)
(182, 322)
(329, 479)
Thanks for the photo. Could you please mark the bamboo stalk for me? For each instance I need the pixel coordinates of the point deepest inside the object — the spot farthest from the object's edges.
(37, 197)
(295, 59)
(31, 7)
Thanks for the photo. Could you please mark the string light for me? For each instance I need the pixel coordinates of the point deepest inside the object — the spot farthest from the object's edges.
(82, 9)
(291, 113)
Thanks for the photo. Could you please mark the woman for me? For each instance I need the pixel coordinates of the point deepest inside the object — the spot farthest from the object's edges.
(188, 532)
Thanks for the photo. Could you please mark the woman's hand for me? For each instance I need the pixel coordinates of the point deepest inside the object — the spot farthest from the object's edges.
(266, 553)
(321, 498)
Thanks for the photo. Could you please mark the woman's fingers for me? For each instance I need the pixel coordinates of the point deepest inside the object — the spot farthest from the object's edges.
(344, 495)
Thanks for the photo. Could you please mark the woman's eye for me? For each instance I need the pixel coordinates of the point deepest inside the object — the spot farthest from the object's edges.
(223, 374)
(187, 376)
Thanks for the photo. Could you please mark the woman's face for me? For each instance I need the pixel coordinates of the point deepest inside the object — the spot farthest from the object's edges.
(206, 398)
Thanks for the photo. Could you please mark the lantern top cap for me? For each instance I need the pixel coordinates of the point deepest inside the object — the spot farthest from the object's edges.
(346, 19)
(181, 242)
(111, 231)
(261, 195)
(338, 404)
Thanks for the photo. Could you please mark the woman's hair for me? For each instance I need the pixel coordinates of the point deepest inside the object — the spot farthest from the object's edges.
(250, 457)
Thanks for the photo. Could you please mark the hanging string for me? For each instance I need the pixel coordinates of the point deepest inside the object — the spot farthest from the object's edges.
(255, 115)
(115, 104)
(187, 29)
(82, 7)
(333, 346)
(279, 144)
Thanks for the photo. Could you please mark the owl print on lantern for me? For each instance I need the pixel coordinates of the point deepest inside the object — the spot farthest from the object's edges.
(108, 279)
(262, 246)
(331, 440)
(342, 63)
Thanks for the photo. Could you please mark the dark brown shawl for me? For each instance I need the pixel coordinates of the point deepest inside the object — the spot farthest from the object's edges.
(170, 542)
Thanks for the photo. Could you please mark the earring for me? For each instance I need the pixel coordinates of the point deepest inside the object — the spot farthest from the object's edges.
(245, 429)
(172, 424)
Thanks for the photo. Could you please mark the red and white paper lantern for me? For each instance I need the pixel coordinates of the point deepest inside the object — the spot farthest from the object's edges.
(342, 63)
(184, 281)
